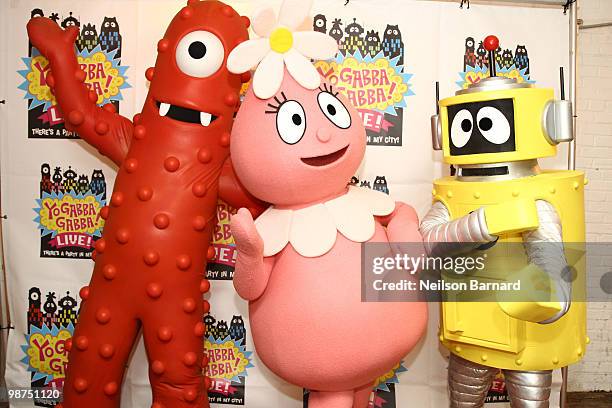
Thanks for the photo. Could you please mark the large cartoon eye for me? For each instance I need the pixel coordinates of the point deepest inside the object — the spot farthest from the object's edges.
(291, 122)
(200, 54)
(461, 128)
(113, 24)
(320, 23)
(493, 125)
(335, 110)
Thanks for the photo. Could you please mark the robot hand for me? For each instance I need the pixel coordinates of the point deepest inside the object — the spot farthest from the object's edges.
(511, 217)
(543, 299)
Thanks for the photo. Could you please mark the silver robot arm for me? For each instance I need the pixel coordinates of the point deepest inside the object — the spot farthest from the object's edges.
(445, 237)
(544, 248)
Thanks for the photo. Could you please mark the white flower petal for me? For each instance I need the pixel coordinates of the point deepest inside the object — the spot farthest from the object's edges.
(302, 70)
(315, 45)
(247, 55)
(294, 12)
(269, 76)
(263, 22)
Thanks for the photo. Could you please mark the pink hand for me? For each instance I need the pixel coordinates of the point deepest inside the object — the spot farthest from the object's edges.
(248, 240)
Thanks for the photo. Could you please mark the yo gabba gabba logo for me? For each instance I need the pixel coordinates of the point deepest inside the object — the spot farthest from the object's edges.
(68, 211)
(228, 359)
(98, 55)
(221, 267)
(369, 70)
(509, 63)
(51, 324)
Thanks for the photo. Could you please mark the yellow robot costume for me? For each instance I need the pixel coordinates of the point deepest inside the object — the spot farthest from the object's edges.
(494, 132)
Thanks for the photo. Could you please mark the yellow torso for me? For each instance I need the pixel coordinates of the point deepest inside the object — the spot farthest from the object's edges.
(482, 332)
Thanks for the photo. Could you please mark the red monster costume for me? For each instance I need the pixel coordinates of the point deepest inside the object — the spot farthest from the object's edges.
(152, 255)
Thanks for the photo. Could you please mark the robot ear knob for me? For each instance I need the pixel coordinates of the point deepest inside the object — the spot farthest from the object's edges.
(436, 132)
(558, 122)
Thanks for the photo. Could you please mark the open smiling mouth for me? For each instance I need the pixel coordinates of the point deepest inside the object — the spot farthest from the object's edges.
(320, 161)
(185, 115)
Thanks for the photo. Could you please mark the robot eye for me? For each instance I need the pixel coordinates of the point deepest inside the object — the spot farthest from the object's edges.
(334, 110)
(200, 54)
(34, 296)
(291, 122)
(493, 125)
(461, 128)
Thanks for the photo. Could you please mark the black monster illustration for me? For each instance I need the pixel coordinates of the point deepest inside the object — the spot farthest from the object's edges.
(469, 59)
(508, 58)
(110, 37)
(521, 58)
(83, 184)
(336, 31)
(70, 180)
(320, 23)
(237, 331)
(392, 44)
(35, 315)
(482, 56)
(50, 307)
(209, 324)
(57, 180)
(380, 184)
(222, 330)
(372, 43)
(98, 183)
(70, 21)
(354, 40)
(46, 185)
(67, 312)
(88, 39)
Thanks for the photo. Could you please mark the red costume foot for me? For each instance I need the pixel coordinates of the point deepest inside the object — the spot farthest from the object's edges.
(152, 256)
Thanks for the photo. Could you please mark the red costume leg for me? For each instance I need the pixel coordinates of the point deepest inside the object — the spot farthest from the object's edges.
(97, 363)
(173, 334)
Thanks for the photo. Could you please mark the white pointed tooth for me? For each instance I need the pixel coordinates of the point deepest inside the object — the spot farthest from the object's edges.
(164, 108)
(205, 118)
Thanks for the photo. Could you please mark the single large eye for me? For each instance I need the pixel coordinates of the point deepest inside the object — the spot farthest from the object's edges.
(291, 122)
(200, 54)
(461, 128)
(493, 125)
(335, 110)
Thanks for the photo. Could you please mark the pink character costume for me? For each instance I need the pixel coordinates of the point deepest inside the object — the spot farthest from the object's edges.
(295, 143)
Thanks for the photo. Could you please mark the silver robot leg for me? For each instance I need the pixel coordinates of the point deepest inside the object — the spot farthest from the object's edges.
(528, 389)
(468, 382)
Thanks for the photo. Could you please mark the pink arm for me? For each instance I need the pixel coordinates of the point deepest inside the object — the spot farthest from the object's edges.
(252, 270)
(251, 275)
(403, 228)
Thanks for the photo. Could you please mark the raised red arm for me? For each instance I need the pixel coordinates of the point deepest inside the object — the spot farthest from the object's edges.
(103, 128)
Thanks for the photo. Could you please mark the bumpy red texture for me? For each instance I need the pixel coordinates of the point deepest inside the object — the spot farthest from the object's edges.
(151, 260)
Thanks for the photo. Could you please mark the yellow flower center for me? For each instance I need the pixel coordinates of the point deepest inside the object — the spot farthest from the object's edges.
(281, 40)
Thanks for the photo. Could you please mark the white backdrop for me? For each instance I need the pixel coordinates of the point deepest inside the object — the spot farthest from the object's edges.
(433, 36)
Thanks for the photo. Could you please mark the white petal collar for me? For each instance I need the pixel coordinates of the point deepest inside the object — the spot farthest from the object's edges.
(312, 231)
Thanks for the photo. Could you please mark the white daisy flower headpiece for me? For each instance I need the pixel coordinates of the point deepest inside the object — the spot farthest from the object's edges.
(281, 44)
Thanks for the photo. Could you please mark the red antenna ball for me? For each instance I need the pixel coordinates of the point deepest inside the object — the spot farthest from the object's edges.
(491, 43)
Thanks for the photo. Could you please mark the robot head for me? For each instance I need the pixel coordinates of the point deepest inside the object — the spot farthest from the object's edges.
(499, 120)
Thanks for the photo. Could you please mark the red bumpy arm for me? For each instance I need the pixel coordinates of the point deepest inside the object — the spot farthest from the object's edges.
(103, 128)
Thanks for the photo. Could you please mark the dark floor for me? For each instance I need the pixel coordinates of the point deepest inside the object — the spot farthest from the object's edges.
(590, 400)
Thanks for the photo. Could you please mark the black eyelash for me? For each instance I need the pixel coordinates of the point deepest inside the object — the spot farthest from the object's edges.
(329, 89)
(276, 108)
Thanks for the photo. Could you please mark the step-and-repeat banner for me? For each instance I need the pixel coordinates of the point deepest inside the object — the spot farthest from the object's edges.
(53, 185)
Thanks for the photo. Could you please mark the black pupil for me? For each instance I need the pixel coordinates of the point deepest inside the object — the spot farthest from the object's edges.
(331, 109)
(297, 119)
(466, 125)
(486, 124)
(197, 50)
